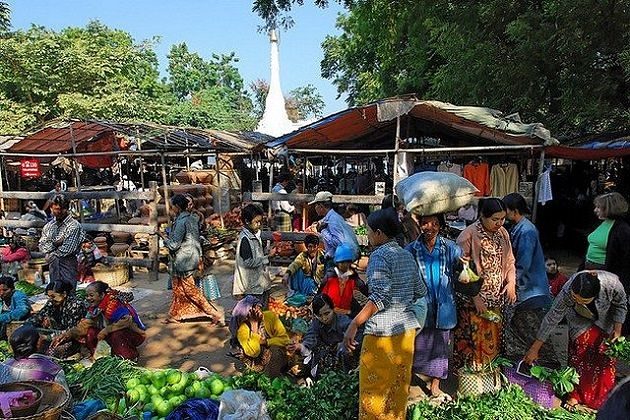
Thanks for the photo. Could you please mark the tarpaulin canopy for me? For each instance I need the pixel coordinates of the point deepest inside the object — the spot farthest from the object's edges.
(374, 125)
(603, 146)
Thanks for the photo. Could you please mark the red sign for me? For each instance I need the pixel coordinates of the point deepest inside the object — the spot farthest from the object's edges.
(30, 168)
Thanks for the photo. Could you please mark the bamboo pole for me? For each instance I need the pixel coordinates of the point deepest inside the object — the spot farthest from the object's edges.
(395, 176)
(88, 195)
(165, 183)
(220, 192)
(1, 184)
(76, 170)
(154, 242)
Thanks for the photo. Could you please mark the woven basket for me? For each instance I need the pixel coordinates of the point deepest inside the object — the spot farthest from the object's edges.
(12, 326)
(31, 242)
(477, 383)
(115, 275)
(55, 399)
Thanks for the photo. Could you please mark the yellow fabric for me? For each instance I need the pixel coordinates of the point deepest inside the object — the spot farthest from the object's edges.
(303, 261)
(275, 332)
(385, 375)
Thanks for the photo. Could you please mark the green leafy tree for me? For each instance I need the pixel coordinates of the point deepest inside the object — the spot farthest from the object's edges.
(565, 63)
(207, 93)
(5, 16)
(91, 72)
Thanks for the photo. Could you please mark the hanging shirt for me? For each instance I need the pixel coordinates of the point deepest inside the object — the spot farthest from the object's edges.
(453, 168)
(544, 187)
(503, 179)
(479, 175)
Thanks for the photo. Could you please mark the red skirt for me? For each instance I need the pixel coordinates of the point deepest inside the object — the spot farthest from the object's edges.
(597, 371)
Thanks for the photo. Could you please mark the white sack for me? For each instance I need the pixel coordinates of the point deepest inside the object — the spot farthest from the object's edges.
(427, 193)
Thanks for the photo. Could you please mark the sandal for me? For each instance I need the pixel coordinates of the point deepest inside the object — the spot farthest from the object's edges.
(441, 398)
(171, 321)
(571, 408)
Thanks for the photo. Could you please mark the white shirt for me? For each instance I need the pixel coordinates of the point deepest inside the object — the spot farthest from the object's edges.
(281, 205)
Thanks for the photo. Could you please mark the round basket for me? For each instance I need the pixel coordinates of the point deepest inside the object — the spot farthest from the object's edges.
(112, 275)
(55, 399)
(23, 386)
(12, 326)
(477, 383)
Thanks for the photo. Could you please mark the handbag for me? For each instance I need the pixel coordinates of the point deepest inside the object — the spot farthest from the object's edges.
(541, 392)
(209, 287)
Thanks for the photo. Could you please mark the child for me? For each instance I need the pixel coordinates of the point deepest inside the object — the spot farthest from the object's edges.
(306, 272)
(343, 285)
(88, 256)
(555, 277)
(323, 343)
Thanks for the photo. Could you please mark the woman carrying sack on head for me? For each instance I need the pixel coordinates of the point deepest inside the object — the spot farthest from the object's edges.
(185, 250)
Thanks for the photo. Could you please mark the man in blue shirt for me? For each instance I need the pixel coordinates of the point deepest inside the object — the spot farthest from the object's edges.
(533, 295)
(332, 227)
(15, 305)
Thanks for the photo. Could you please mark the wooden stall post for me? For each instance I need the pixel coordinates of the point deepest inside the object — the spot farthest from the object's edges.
(154, 243)
(220, 193)
(1, 184)
(139, 144)
(165, 183)
(76, 170)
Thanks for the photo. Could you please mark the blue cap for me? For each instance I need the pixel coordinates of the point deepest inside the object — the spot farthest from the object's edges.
(344, 252)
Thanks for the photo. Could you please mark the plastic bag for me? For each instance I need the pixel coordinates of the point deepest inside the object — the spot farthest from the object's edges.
(196, 409)
(243, 405)
(427, 193)
(102, 350)
(467, 275)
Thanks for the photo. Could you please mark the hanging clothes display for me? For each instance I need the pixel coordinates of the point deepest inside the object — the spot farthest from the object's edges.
(544, 187)
(451, 167)
(503, 179)
(478, 173)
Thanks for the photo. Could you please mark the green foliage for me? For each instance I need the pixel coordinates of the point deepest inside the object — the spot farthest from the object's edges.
(303, 103)
(5, 16)
(561, 62)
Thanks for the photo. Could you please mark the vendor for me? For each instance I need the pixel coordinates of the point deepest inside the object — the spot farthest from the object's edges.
(60, 241)
(306, 272)
(260, 336)
(110, 317)
(27, 365)
(282, 210)
(343, 285)
(63, 311)
(324, 339)
(86, 260)
(333, 228)
(13, 255)
(595, 305)
(15, 304)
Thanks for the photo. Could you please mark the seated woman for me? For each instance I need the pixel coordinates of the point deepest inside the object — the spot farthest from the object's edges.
(306, 272)
(13, 256)
(343, 285)
(260, 336)
(324, 340)
(63, 311)
(15, 304)
(110, 317)
(27, 365)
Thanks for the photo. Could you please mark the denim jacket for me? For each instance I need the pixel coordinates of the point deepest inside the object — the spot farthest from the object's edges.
(441, 309)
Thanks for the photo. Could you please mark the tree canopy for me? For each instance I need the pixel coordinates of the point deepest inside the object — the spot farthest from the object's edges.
(302, 104)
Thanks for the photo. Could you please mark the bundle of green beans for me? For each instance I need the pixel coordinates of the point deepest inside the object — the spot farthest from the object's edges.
(104, 380)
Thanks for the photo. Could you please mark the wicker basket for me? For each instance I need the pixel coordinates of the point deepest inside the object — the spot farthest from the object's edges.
(477, 383)
(115, 275)
(55, 399)
(31, 242)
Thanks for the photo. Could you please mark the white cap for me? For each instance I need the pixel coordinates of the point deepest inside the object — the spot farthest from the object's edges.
(321, 197)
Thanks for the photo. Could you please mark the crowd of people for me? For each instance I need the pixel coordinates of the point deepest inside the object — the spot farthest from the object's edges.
(417, 317)
(418, 314)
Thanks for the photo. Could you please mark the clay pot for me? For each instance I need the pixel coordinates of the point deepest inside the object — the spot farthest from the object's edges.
(182, 177)
(119, 249)
(138, 221)
(121, 237)
(100, 240)
(285, 249)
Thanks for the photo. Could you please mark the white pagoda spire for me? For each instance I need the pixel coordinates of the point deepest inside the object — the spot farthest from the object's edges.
(275, 121)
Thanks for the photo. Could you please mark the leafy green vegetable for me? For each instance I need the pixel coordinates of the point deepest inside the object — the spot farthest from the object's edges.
(28, 288)
(563, 380)
(618, 349)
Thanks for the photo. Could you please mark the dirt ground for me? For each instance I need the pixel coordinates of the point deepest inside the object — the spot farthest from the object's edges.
(191, 345)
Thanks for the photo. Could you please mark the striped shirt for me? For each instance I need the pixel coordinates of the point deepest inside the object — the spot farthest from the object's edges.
(69, 232)
(394, 285)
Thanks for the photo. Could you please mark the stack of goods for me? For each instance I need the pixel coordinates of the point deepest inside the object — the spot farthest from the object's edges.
(121, 243)
(101, 244)
(288, 313)
(202, 202)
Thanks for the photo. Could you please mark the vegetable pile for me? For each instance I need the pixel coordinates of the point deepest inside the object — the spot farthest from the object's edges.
(5, 351)
(508, 403)
(287, 311)
(27, 288)
(334, 396)
(159, 392)
(618, 349)
(563, 380)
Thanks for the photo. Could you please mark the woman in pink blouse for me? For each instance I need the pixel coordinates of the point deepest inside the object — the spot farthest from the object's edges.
(486, 244)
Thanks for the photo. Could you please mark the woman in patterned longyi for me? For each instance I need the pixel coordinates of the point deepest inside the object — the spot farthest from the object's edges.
(487, 243)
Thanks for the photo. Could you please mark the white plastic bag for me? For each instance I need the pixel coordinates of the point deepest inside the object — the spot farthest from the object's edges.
(427, 193)
(242, 405)
(102, 350)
